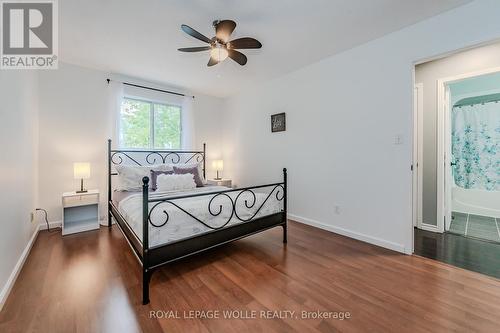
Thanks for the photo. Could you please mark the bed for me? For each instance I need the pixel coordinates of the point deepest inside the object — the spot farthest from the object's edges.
(165, 226)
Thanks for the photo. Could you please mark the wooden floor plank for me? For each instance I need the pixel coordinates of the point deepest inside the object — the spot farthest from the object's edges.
(90, 282)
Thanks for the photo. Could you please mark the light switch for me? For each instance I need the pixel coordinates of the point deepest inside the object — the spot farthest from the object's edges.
(398, 139)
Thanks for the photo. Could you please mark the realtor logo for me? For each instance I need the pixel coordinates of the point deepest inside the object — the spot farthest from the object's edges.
(29, 34)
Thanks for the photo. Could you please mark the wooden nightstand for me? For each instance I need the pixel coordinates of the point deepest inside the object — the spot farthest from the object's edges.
(220, 182)
(80, 211)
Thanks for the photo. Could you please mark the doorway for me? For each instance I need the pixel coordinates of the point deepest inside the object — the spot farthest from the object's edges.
(471, 159)
(456, 159)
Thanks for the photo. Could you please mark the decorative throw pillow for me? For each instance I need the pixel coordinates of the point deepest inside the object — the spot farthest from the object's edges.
(130, 176)
(192, 170)
(190, 165)
(175, 182)
(154, 177)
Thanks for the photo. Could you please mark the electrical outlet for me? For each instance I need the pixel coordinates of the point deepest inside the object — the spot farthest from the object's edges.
(336, 209)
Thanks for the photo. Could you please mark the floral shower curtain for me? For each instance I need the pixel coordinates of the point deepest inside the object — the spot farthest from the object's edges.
(476, 146)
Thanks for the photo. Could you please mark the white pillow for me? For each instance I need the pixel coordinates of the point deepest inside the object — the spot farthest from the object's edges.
(175, 182)
(130, 176)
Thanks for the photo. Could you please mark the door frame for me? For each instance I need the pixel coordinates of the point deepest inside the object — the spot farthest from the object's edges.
(443, 166)
(417, 163)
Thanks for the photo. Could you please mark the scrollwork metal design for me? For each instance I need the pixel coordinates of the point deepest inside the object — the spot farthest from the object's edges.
(153, 154)
(198, 157)
(175, 158)
(254, 201)
(215, 211)
(117, 159)
(172, 160)
(157, 157)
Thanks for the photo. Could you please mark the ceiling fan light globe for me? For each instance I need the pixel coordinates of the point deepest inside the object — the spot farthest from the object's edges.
(219, 54)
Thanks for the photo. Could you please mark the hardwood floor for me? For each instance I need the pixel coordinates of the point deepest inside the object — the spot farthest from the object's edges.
(473, 254)
(90, 282)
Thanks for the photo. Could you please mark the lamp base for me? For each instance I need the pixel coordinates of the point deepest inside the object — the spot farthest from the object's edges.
(218, 178)
(82, 190)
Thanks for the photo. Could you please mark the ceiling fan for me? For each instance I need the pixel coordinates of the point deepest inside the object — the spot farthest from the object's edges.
(220, 46)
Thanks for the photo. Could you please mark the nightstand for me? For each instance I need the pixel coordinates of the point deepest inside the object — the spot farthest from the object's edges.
(220, 182)
(80, 211)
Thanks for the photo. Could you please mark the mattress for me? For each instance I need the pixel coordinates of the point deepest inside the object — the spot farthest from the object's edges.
(120, 195)
(180, 225)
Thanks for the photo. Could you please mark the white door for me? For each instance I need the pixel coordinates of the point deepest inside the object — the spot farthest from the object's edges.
(448, 176)
(418, 108)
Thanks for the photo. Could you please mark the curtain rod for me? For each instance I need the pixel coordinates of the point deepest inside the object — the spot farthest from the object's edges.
(478, 100)
(150, 88)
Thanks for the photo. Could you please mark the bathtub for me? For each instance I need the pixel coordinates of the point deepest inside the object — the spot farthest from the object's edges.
(477, 202)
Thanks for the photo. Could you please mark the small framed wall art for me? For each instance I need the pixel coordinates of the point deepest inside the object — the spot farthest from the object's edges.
(278, 122)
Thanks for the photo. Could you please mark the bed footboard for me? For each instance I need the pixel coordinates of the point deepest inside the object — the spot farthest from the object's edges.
(223, 233)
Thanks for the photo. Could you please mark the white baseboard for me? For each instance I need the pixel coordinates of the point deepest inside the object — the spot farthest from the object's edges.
(17, 268)
(352, 234)
(429, 227)
(53, 224)
(58, 224)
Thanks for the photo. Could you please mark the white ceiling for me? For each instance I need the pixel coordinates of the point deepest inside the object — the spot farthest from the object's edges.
(140, 38)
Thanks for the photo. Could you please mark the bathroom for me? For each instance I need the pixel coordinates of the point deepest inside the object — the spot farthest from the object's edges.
(475, 157)
(456, 159)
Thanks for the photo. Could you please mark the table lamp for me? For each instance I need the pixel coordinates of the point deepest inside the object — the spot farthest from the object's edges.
(81, 171)
(218, 165)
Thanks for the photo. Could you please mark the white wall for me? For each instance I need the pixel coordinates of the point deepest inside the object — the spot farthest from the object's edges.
(208, 122)
(343, 114)
(74, 127)
(18, 167)
(428, 74)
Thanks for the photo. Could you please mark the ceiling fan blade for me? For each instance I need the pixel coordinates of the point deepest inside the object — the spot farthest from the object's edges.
(194, 49)
(190, 31)
(239, 57)
(224, 29)
(244, 43)
(212, 62)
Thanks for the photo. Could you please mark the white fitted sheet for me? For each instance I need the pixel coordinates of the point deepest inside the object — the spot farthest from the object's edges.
(180, 225)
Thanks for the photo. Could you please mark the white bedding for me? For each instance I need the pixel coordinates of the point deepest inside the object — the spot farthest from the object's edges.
(180, 225)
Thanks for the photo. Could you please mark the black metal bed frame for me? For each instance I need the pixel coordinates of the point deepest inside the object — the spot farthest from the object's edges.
(154, 257)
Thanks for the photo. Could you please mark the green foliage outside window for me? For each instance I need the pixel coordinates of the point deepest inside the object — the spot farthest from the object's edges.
(167, 126)
(145, 124)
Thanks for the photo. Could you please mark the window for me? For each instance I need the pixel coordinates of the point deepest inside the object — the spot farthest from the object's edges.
(146, 124)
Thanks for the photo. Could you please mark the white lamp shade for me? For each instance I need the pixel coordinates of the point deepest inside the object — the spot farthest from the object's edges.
(81, 170)
(218, 165)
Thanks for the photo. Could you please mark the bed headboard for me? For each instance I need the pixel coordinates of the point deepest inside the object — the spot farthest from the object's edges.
(150, 157)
